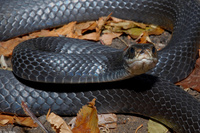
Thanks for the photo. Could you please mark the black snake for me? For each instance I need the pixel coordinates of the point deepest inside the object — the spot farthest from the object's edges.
(149, 94)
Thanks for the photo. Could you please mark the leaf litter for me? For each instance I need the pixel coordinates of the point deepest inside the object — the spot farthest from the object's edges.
(104, 30)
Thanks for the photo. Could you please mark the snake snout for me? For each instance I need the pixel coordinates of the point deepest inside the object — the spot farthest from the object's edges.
(140, 58)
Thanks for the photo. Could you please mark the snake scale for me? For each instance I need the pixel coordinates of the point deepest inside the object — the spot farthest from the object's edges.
(152, 94)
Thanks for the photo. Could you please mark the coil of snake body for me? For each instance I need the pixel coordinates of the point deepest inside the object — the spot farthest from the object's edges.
(152, 94)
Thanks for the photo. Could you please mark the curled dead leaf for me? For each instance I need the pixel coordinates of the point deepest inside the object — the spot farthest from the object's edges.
(58, 124)
(193, 80)
(108, 120)
(107, 38)
(83, 27)
(23, 121)
(87, 120)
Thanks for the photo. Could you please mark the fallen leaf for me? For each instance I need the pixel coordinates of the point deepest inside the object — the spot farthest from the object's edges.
(154, 30)
(6, 119)
(58, 124)
(102, 21)
(123, 25)
(107, 120)
(116, 20)
(7, 47)
(66, 30)
(104, 120)
(23, 121)
(91, 36)
(155, 127)
(108, 37)
(144, 37)
(193, 80)
(83, 27)
(87, 120)
(90, 30)
(134, 32)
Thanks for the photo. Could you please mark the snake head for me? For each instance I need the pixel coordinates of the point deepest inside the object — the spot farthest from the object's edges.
(140, 58)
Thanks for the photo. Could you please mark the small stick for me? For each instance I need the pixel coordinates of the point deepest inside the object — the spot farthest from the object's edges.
(120, 39)
(138, 128)
(30, 113)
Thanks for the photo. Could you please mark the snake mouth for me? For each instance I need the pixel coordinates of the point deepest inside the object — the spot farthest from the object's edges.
(140, 66)
(140, 58)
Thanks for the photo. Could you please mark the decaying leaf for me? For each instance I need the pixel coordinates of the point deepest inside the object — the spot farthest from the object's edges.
(23, 121)
(104, 120)
(6, 119)
(144, 38)
(91, 36)
(107, 120)
(193, 80)
(87, 120)
(90, 30)
(66, 30)
(108, 37)
(83, 27)
(133, 29)
(134, 32)
(155, 127)
(58, 124)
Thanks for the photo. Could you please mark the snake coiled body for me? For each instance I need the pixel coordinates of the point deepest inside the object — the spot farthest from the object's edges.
(152, 94)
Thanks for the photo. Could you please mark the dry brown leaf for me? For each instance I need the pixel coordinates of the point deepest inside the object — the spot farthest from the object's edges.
(6, 119)
(25, 121)
(134, 29)
(108, 37)
(141, 25)
(58, 124)
(41, 33)
(108, 120)
(66, 30)
(87, 120)
(75, 30)
(3, 122)
(144, 37)
(9, 119)
(92, 25)
(193, 80)
(154, 30)
(122, 25)
(102, 22)
(117, 20)
(104, 120)
(7, 47)
(91, 36)
(83, 27)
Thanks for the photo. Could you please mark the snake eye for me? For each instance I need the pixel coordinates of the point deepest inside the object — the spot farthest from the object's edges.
(131, 52)
(153, 50)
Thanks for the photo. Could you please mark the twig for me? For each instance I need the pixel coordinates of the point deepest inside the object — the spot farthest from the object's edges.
(138, 128)
(30, 113)
(120, 39)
